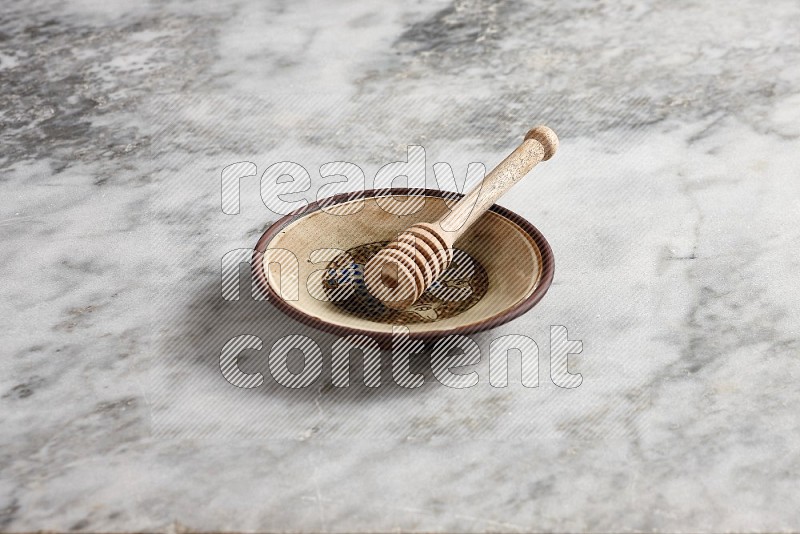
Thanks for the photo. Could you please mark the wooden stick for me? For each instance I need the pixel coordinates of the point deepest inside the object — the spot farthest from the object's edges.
(401, 272)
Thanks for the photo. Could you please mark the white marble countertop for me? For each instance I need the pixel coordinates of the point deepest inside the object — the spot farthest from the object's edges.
(672, 209)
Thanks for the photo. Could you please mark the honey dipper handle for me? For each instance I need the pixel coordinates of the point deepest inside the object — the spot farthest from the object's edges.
(539, 144)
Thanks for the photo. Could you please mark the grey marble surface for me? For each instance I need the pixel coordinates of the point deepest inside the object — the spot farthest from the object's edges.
(672, 208)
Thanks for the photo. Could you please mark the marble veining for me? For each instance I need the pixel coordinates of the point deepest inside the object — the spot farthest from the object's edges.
(672, 210)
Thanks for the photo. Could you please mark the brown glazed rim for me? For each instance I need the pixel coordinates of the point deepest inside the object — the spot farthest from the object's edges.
(384, 338)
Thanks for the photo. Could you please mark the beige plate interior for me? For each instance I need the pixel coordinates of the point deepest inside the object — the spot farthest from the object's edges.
(509, 255)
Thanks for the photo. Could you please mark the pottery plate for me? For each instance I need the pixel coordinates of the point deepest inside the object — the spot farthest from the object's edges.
(310, 264)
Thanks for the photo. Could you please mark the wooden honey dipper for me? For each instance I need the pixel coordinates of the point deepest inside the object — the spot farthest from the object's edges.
(399, 273)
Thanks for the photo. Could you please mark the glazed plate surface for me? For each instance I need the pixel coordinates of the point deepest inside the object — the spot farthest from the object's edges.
(310, 264)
